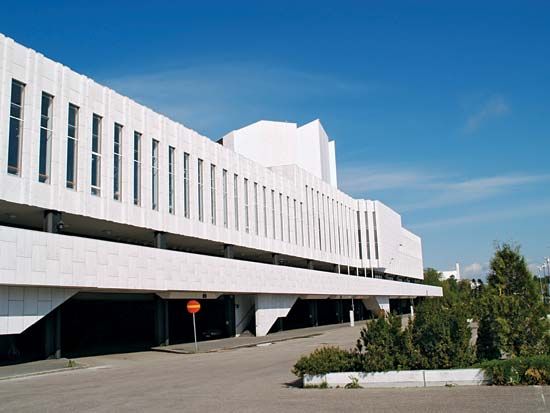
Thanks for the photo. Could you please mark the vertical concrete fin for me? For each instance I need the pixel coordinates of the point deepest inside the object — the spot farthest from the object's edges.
(377, 303)
(269, 307)
(21, 307)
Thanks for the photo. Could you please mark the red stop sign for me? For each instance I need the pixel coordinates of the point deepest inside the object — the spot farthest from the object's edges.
(193, 306)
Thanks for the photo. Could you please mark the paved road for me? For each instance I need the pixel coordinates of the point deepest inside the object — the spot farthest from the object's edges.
(252, 379)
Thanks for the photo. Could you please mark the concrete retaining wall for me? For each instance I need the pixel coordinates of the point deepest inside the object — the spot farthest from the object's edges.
(404, 378)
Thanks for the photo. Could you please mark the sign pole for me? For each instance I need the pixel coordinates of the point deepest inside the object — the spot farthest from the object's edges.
(193, 306)
(195, 333)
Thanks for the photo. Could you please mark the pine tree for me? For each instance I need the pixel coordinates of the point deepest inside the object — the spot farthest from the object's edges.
(512, 318)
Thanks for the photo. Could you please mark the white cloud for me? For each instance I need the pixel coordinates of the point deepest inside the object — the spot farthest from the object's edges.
(512, 212)
(360, 179)
(217, 98)
(429, 190)
(475, 270)
(471, 190)
(493, 108)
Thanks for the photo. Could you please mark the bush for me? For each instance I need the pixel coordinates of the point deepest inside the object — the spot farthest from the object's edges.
(512, 316)
(441, 336)
(381, 346)
(325, 360)
(518, 370)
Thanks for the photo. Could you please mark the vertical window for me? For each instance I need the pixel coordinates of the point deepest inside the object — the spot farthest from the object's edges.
(375, 230)
(155, 174)
(319, 221)
(95, 181)
(281, 216)
(324, 222)
(213, 194)
(346, 218)
(16, 127)
(236, 199)
(256, 218)
(200, 190)
(288, 218)
(367, 234)
(264, 190)
(186, 179)
(72, 146)
(45, 155)
(339, 231)
(117, 163)
(307, 218)
(224, 190)
(329, 225)
(171, 180)
(359, 243)
(137, 168)
(295, 224)
(246, 220)
(273, 212)
(313, 218)
(302, 222)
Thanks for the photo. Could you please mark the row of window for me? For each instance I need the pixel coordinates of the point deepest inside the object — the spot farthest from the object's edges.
(327, 228)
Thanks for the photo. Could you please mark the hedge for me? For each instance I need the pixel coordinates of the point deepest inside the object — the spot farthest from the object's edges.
(518, 370)
(325, 360)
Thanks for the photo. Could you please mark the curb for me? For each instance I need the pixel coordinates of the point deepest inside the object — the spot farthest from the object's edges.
(43, 372)
(403, 378)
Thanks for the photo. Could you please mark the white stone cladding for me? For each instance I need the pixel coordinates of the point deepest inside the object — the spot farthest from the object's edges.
(54, 260)
(20, 307)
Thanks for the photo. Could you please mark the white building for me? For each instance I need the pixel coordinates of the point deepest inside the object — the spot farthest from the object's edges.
(445, 275)
(101, 195)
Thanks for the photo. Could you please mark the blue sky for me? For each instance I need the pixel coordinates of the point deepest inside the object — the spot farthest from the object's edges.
(440, 110)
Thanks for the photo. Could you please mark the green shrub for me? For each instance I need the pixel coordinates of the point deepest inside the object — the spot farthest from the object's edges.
(325, 360)
(512, 316)
(518, 370)
(380, 346)
(441, 336)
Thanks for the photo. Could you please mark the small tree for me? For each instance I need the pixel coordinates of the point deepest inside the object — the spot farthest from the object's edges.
(441, 335)
(512, 318)
(432, 277)
(379, 344)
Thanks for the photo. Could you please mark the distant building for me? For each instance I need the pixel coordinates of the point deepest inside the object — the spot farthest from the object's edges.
(445, 275)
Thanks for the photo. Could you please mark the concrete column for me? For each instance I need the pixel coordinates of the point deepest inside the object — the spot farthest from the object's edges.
(160, 240)
(229, 304)
(269, 307)
(276, 259)
(229, 251)
(53, 222)
(52, 348)
(339, 310)
(313, 315)
(310, 265)
(336, 268)
(162, 334)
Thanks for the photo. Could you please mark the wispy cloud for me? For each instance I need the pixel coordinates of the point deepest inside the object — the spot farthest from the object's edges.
(493, 108)
(217, 98)
(445, 193)
(427, 189)
(491, 215)
(359, 179)
(475, 270)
